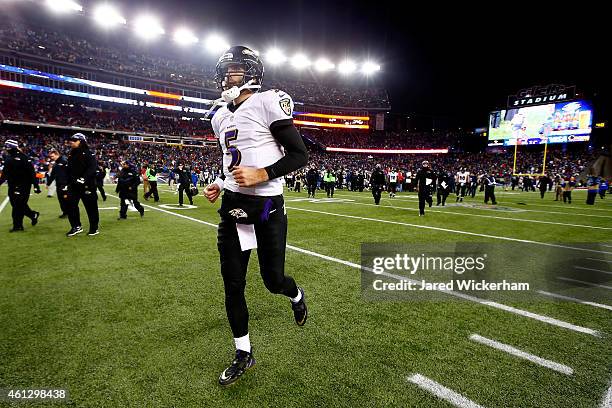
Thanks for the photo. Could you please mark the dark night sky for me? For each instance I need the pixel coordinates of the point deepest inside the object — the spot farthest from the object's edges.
(457, 62)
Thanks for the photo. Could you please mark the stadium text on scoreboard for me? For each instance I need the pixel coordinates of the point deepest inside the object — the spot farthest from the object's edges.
(542, 94)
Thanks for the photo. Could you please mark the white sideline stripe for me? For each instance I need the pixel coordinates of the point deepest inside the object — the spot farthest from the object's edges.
(592, 269)
(606, 402)
(522, 354)
(609, 246)
(442, 392)
(573, 299)
(541, 318)
(4, 203)
(600, 260)
(485, 216)
(527, 241)
(595, 285)
(522, 209)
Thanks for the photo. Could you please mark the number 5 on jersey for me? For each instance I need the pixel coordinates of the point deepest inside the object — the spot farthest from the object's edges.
(230, 136)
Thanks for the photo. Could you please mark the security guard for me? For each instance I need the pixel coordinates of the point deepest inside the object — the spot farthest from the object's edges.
(330, 182)
(59, 174)
(82, 169)
(184, 176)
(127, 188)
(311, 180)
(426, 180)
(151, 176)
(20, 175)
(377, 183)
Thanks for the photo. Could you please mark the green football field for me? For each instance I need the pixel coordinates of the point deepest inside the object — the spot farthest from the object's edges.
(135, 317)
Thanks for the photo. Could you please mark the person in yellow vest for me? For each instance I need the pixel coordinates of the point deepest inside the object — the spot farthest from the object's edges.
(151, 175)
(330, 182)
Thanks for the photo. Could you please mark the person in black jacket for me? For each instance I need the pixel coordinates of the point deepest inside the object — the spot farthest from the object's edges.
(490, 189)
(82, 170)
(377, 183)
(426, 180)
(311, 180)
(127, 188)
(100, 176)
(20, 175)
(442, 187)
(59, 174)
(184, 176)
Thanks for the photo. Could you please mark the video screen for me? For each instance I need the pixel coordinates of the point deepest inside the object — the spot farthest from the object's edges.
(553, 123)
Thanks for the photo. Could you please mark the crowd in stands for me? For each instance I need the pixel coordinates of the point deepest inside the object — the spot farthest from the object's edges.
(62, 110)
(60, 46)
(382, 140)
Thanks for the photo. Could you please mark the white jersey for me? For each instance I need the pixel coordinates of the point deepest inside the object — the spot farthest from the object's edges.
(246, 140)
(392, 177)
(462, 177)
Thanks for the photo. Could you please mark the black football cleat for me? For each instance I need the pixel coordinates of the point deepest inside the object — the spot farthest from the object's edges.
(74, 231)
(91, 233)
(35, 218)
(242, 362)
(300, 312)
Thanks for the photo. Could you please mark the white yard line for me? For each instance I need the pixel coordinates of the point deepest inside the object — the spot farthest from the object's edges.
(4, 203)
(573, 299)
(522, 354)
(600, 260)
(526, 241)
(593, 269)
(606, 402)
(442, 392)
(595, 285)
(535, 316)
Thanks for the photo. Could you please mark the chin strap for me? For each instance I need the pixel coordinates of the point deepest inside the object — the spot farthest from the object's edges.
(229, 95)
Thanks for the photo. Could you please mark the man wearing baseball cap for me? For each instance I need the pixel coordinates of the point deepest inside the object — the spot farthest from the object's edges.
(20, 174)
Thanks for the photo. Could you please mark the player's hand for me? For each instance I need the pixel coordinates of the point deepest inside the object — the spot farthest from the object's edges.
(212, 192)
(249, 176)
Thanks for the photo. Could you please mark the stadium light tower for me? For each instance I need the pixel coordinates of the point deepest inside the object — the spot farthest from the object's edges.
(215, 44)
(274, 56)
(323, 64)
(148, 27)
(184, 37)
(347, 67)
(369, 67)
(107, 16)
(300, 61)
(63, 6)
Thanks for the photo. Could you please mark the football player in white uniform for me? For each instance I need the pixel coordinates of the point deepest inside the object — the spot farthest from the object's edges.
(461, 183)
(260, 146)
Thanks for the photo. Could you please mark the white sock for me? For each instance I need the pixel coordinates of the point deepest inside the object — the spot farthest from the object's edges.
(297, 298)
(243, 343)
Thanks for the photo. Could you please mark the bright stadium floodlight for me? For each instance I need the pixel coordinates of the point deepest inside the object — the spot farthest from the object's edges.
(184, 37)
(275, 56)
(347, 67)
(107, 16)
(323, 64)
(63, 6)
(300, 61)
(148, 27)
(370, 67)
(215, 44)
